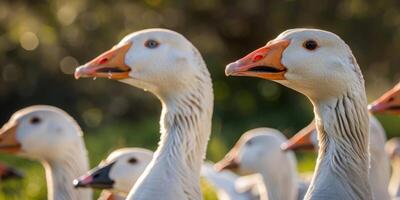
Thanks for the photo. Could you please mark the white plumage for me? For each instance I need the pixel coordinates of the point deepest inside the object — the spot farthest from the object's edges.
(169, 66)
(321, 66)
(51, 136)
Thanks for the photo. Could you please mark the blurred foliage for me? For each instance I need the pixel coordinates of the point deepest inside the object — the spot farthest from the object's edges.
(41, 43)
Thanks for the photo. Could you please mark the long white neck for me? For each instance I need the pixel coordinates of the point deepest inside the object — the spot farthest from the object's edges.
(343, 159)
(280, 176)
(61, 171)
(394, 185)
(380, 165)
(174, 172)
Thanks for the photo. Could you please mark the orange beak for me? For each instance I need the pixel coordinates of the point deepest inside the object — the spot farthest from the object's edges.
(228, 162)
(264, 62)
(388, 102)
(301, 140)
(8, 139)
(110, 64)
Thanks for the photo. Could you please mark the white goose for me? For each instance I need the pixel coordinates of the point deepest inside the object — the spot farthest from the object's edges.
(258, 151)
(393, 149)
(49, 135)
(169, 66)
(118, 172)
(379, 174)
(389, 103)
(320, 65)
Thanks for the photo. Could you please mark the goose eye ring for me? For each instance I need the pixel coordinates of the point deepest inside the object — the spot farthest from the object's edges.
(310, 45)
(151, 44)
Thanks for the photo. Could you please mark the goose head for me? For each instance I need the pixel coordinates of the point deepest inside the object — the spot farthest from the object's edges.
(392, 148)
(388, 102)
(119, 172)
(314, 62)
(40, 132)
(305, 139)
(254, 149)
(158, 60)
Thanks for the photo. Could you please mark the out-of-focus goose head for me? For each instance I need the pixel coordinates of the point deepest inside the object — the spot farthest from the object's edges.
(314, 62)
(119, 172)
(255, 148)
(157, 60)
(40, 132)
(388, 102)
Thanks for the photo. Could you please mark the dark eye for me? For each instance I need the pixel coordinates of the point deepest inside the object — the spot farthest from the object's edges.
(35, 120)
(151, 44)
(132, 160)
(310, 45)
(391, 99)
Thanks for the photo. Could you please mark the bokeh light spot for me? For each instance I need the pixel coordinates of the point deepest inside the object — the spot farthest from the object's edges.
(29, 41)
(66, 15)
(92, 117)
(68, 65)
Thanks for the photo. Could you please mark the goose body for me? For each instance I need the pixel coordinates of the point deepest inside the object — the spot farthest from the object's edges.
(320, 65)
(258, 151)
(169, 66)
(380, 165)
(51, 136)
(118, 172)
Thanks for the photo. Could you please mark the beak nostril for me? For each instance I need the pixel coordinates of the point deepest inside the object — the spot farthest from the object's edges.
(257, 58)
(96, 175)
(103, 60)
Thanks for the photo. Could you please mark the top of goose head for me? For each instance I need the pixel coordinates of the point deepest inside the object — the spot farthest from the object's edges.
(253, 149)
(388, 102)
(314, 62)
(119, 172)
(40, 132)
(159, 60)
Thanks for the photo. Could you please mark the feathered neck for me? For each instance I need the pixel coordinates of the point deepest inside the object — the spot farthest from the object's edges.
(174, 172)
(280, 180)
(62, 170)
(343, 159)
(394, 185)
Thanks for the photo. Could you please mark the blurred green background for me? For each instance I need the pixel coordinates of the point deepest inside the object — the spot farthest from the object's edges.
(41, 43)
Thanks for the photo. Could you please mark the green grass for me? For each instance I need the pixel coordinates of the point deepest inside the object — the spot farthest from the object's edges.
(100, 143)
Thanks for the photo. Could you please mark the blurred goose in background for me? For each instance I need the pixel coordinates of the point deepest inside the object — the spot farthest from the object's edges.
(388, 102)
(51, 136)
(258, 151)
(379, 174)
(118, 172)
(169, 66)
(7, 172)
(393, 149)
(321, 66)
(230, 186)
